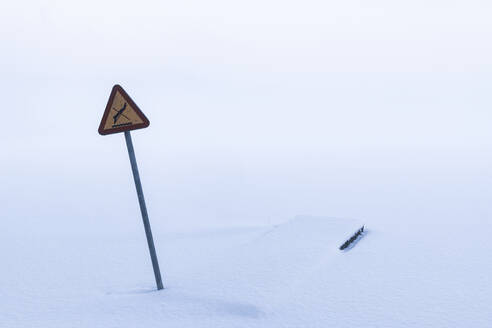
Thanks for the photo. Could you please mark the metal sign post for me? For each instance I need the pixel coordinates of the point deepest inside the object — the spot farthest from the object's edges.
(123, 115)
(143, 209)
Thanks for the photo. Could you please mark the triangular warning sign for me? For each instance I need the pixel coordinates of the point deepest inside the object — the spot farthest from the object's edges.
(121, 114)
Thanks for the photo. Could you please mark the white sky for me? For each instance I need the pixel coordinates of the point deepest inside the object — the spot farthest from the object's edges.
(278, 36)
(254, 73)
(256, 107)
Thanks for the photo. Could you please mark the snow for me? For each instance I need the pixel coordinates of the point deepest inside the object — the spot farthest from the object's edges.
(287, 275)
(277, 129)
(232, 251)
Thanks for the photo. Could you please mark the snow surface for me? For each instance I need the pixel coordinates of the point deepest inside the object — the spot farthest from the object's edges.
(287, 275)
(260, 111)
(232, 253)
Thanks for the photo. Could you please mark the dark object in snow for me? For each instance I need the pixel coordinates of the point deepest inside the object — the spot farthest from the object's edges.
(352, 239)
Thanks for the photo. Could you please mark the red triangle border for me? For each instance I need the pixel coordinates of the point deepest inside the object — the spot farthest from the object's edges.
(144, 124)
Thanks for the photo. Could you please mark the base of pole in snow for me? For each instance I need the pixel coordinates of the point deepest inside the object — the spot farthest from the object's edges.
(143, 210)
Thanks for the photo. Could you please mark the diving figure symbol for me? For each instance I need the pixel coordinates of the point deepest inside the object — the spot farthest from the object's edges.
(119, 113)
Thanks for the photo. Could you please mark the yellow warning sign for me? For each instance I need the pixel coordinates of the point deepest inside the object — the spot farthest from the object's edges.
(121, 114)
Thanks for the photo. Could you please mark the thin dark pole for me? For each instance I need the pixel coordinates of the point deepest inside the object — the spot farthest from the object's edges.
(143, 209)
